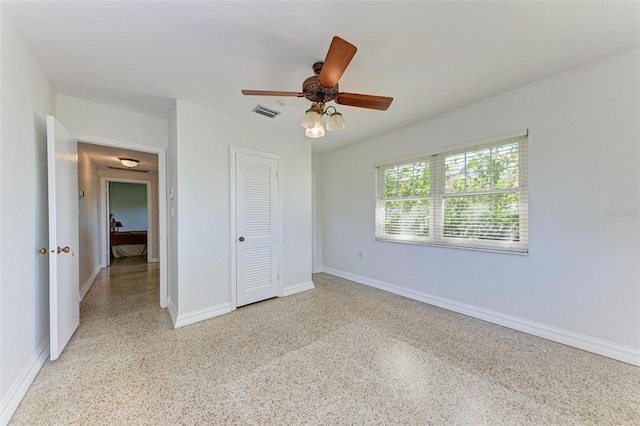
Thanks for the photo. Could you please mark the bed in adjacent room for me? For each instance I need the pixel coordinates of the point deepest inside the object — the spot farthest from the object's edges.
(129, 243)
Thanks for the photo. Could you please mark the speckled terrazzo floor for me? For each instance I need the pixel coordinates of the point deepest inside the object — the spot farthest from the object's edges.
(342, 354)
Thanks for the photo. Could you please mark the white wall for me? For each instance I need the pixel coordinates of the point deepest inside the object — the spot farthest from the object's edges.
(91, 118)
(27, 97)
(128, 203)
(316, 168)
(580, 282)
(203, 193)
(89, 220)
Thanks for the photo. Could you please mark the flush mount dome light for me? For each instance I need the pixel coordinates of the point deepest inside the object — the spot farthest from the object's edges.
(128, 162)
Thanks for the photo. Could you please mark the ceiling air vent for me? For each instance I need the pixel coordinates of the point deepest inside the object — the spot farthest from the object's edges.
(259, 109)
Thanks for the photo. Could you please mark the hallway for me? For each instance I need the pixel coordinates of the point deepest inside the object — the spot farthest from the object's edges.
(340, 354)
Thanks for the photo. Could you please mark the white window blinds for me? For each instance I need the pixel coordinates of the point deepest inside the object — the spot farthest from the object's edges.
(473, 198)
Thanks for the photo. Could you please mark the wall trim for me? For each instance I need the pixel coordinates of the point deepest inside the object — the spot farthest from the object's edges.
(202, 314)
(598, 346)
(84, 289)
(154, 260)
(19, 388)
(173, 312)
(318, 269)
(298, 288)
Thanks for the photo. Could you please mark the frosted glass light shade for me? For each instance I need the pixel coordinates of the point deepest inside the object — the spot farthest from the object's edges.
(315, 132)
(128, 162)
(311, 119)
(336, 122)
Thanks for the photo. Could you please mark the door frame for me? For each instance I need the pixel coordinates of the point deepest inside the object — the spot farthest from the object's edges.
(233, 150)
(162, 199)
(104, 221)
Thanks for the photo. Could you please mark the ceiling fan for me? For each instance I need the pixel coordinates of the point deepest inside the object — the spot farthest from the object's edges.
(323, 87)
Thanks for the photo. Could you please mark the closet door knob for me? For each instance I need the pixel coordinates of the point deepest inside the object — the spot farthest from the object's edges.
(241, 239)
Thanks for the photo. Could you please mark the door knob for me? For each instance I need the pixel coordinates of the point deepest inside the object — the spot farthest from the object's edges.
(43, 250)
(241, 239)
(66, 249)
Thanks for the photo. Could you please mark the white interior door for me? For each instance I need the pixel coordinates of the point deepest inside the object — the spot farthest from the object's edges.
(64, 304)
(257, 228)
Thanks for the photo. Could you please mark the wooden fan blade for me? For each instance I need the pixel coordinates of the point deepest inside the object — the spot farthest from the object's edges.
(271, 93)
(364, 101)
(338, 57)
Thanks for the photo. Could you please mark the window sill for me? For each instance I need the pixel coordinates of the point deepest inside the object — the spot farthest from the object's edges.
(519, 252)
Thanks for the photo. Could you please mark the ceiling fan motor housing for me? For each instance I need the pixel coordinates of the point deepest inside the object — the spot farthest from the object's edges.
(338, 58)
(312, 88)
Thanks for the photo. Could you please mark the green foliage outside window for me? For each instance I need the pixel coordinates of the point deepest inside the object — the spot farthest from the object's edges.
(407, 180)
(485, 217)
(482, 170)
(476, 202)
(409, 217)
(492, 217)
(408, 184)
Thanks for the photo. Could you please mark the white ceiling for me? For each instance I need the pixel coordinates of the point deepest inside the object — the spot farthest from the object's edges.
(431, 57)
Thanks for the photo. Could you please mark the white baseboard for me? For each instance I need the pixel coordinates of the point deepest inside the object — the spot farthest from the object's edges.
(602, 347)
(318, 269)
(201, 314)
(298, 288)
(154, 260)
(89, 282)
(173, 311)
(19, 388)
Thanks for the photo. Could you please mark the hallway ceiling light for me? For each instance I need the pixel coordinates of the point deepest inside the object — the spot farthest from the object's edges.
(128, 162)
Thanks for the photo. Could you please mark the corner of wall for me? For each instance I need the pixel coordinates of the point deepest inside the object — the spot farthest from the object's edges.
(198, 315)
(86, 286)
(27, 98)
(298, 288)
(173, 312)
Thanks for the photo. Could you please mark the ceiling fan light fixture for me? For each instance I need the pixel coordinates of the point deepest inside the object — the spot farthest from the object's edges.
(336, 122)
(311, 119)
(322, 87)
(315, 132)
(129, 162)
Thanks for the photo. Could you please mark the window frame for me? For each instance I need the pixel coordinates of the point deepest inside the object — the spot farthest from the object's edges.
(438, 195)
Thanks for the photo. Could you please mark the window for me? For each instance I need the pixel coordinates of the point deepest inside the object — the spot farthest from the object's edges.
(471, 198)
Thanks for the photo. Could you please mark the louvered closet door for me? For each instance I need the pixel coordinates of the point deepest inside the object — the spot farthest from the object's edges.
(257, 222)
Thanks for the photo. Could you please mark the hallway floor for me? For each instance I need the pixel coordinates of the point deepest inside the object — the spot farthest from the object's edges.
(342, 354)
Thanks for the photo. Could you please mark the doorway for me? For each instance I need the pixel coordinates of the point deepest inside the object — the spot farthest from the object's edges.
(103, 158)
(128, 216)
